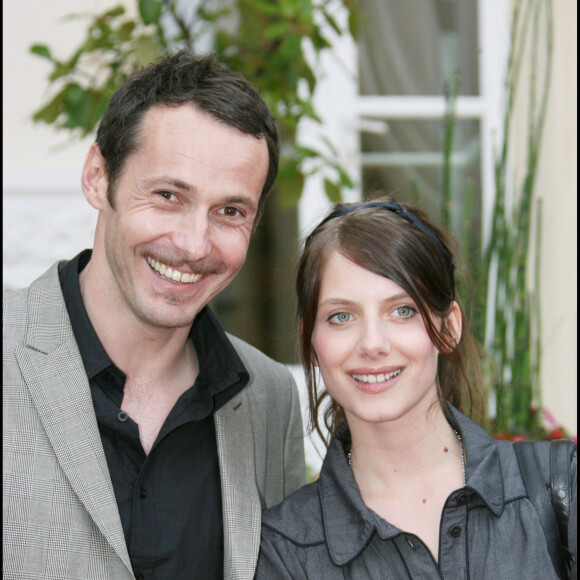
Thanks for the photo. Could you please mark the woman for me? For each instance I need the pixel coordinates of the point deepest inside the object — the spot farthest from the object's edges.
(410, 486)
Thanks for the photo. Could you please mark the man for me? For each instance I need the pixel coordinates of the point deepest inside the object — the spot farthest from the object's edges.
(141, 441)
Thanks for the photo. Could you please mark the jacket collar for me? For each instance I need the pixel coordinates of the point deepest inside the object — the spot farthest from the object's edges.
(483, 472)
(349, 524)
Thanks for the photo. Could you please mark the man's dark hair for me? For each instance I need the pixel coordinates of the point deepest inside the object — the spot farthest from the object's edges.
(184, 78)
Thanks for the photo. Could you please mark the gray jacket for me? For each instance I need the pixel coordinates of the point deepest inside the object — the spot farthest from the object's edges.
(489, 529)
(60, 517)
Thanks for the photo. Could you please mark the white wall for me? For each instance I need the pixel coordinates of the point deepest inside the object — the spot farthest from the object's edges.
(557, 184)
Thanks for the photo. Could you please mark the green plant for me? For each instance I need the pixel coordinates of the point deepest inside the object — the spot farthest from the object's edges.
(513, 306)
(506, 317)
(263, 40)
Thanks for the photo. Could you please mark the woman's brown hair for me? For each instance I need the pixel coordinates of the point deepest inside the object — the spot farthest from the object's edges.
(398, 242)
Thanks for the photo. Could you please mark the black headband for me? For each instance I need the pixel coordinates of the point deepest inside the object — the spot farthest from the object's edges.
(401, 210)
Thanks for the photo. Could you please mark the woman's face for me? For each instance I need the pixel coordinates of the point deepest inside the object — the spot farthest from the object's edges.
(376, 358)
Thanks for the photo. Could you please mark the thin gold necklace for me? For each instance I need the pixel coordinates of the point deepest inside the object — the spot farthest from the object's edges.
(349, 455)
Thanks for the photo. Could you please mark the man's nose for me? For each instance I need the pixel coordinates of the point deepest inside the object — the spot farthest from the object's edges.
(193, 235)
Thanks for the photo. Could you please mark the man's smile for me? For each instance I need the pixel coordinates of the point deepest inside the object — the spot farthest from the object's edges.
(172, 274)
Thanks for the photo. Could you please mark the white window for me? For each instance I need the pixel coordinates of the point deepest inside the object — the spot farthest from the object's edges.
(383, 104)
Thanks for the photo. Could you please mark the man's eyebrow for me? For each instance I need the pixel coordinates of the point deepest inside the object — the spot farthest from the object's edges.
(164, 181)
(242, 199)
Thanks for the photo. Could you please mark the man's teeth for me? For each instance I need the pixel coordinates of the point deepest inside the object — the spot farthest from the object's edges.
(376, 378)
(171, 274)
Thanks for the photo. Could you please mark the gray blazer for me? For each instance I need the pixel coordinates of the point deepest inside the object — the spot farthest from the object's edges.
(60, 516)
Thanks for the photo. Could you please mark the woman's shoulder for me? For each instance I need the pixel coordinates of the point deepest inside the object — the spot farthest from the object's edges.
(298, 518)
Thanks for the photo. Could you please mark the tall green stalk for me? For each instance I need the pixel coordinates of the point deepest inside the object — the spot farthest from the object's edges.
(514, 341)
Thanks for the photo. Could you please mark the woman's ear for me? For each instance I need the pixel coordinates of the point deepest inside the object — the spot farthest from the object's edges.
(454, 323)
(94, 178)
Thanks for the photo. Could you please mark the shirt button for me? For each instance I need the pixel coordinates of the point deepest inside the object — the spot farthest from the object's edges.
(455, 531)
(122, 416)
(142, 493)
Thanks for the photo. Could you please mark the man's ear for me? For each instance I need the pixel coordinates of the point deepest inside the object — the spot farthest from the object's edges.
(94, 178)
(454, 323)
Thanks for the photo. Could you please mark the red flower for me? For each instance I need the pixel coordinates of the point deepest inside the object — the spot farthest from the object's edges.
(519, 438)
(557, 433)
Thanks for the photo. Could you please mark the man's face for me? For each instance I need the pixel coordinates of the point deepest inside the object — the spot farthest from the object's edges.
(185, 204)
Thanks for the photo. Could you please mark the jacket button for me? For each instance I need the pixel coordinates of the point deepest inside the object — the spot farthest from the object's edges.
(122, 416)
(455, 531)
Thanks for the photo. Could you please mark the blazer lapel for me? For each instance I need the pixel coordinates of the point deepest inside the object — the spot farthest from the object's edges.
(240, 499)
(54, 373)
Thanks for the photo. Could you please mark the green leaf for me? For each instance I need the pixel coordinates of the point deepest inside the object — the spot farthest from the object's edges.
(332, 191)
(78, 115)
(114, 12)
(60, 70)
(146, 50)
(74, 94)
(332, 22)
(41, 50)
(266, 7)
(50, 112)
(75, 106)
(345, 180)
(353, 23)
(276, 30)
(125, 31)
(291, 189)
(149, 10)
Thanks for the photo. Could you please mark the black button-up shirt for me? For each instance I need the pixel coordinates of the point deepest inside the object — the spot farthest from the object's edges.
(169, 500)
(489, 529)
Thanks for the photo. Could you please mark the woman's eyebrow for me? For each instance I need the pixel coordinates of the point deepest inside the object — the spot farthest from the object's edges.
(337, 300)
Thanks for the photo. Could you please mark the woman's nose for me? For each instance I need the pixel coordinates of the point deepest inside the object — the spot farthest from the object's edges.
(374, 339)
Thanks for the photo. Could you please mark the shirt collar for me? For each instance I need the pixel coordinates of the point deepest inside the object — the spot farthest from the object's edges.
(220, 367)
(482, 462)
(349, 524)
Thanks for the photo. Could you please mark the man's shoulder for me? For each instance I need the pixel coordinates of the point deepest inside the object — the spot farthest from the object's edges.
(255, 360)
(21, 305)
(272, 387)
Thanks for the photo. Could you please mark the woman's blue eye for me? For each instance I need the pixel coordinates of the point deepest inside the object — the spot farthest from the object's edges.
(404, 311)
(340, 317)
